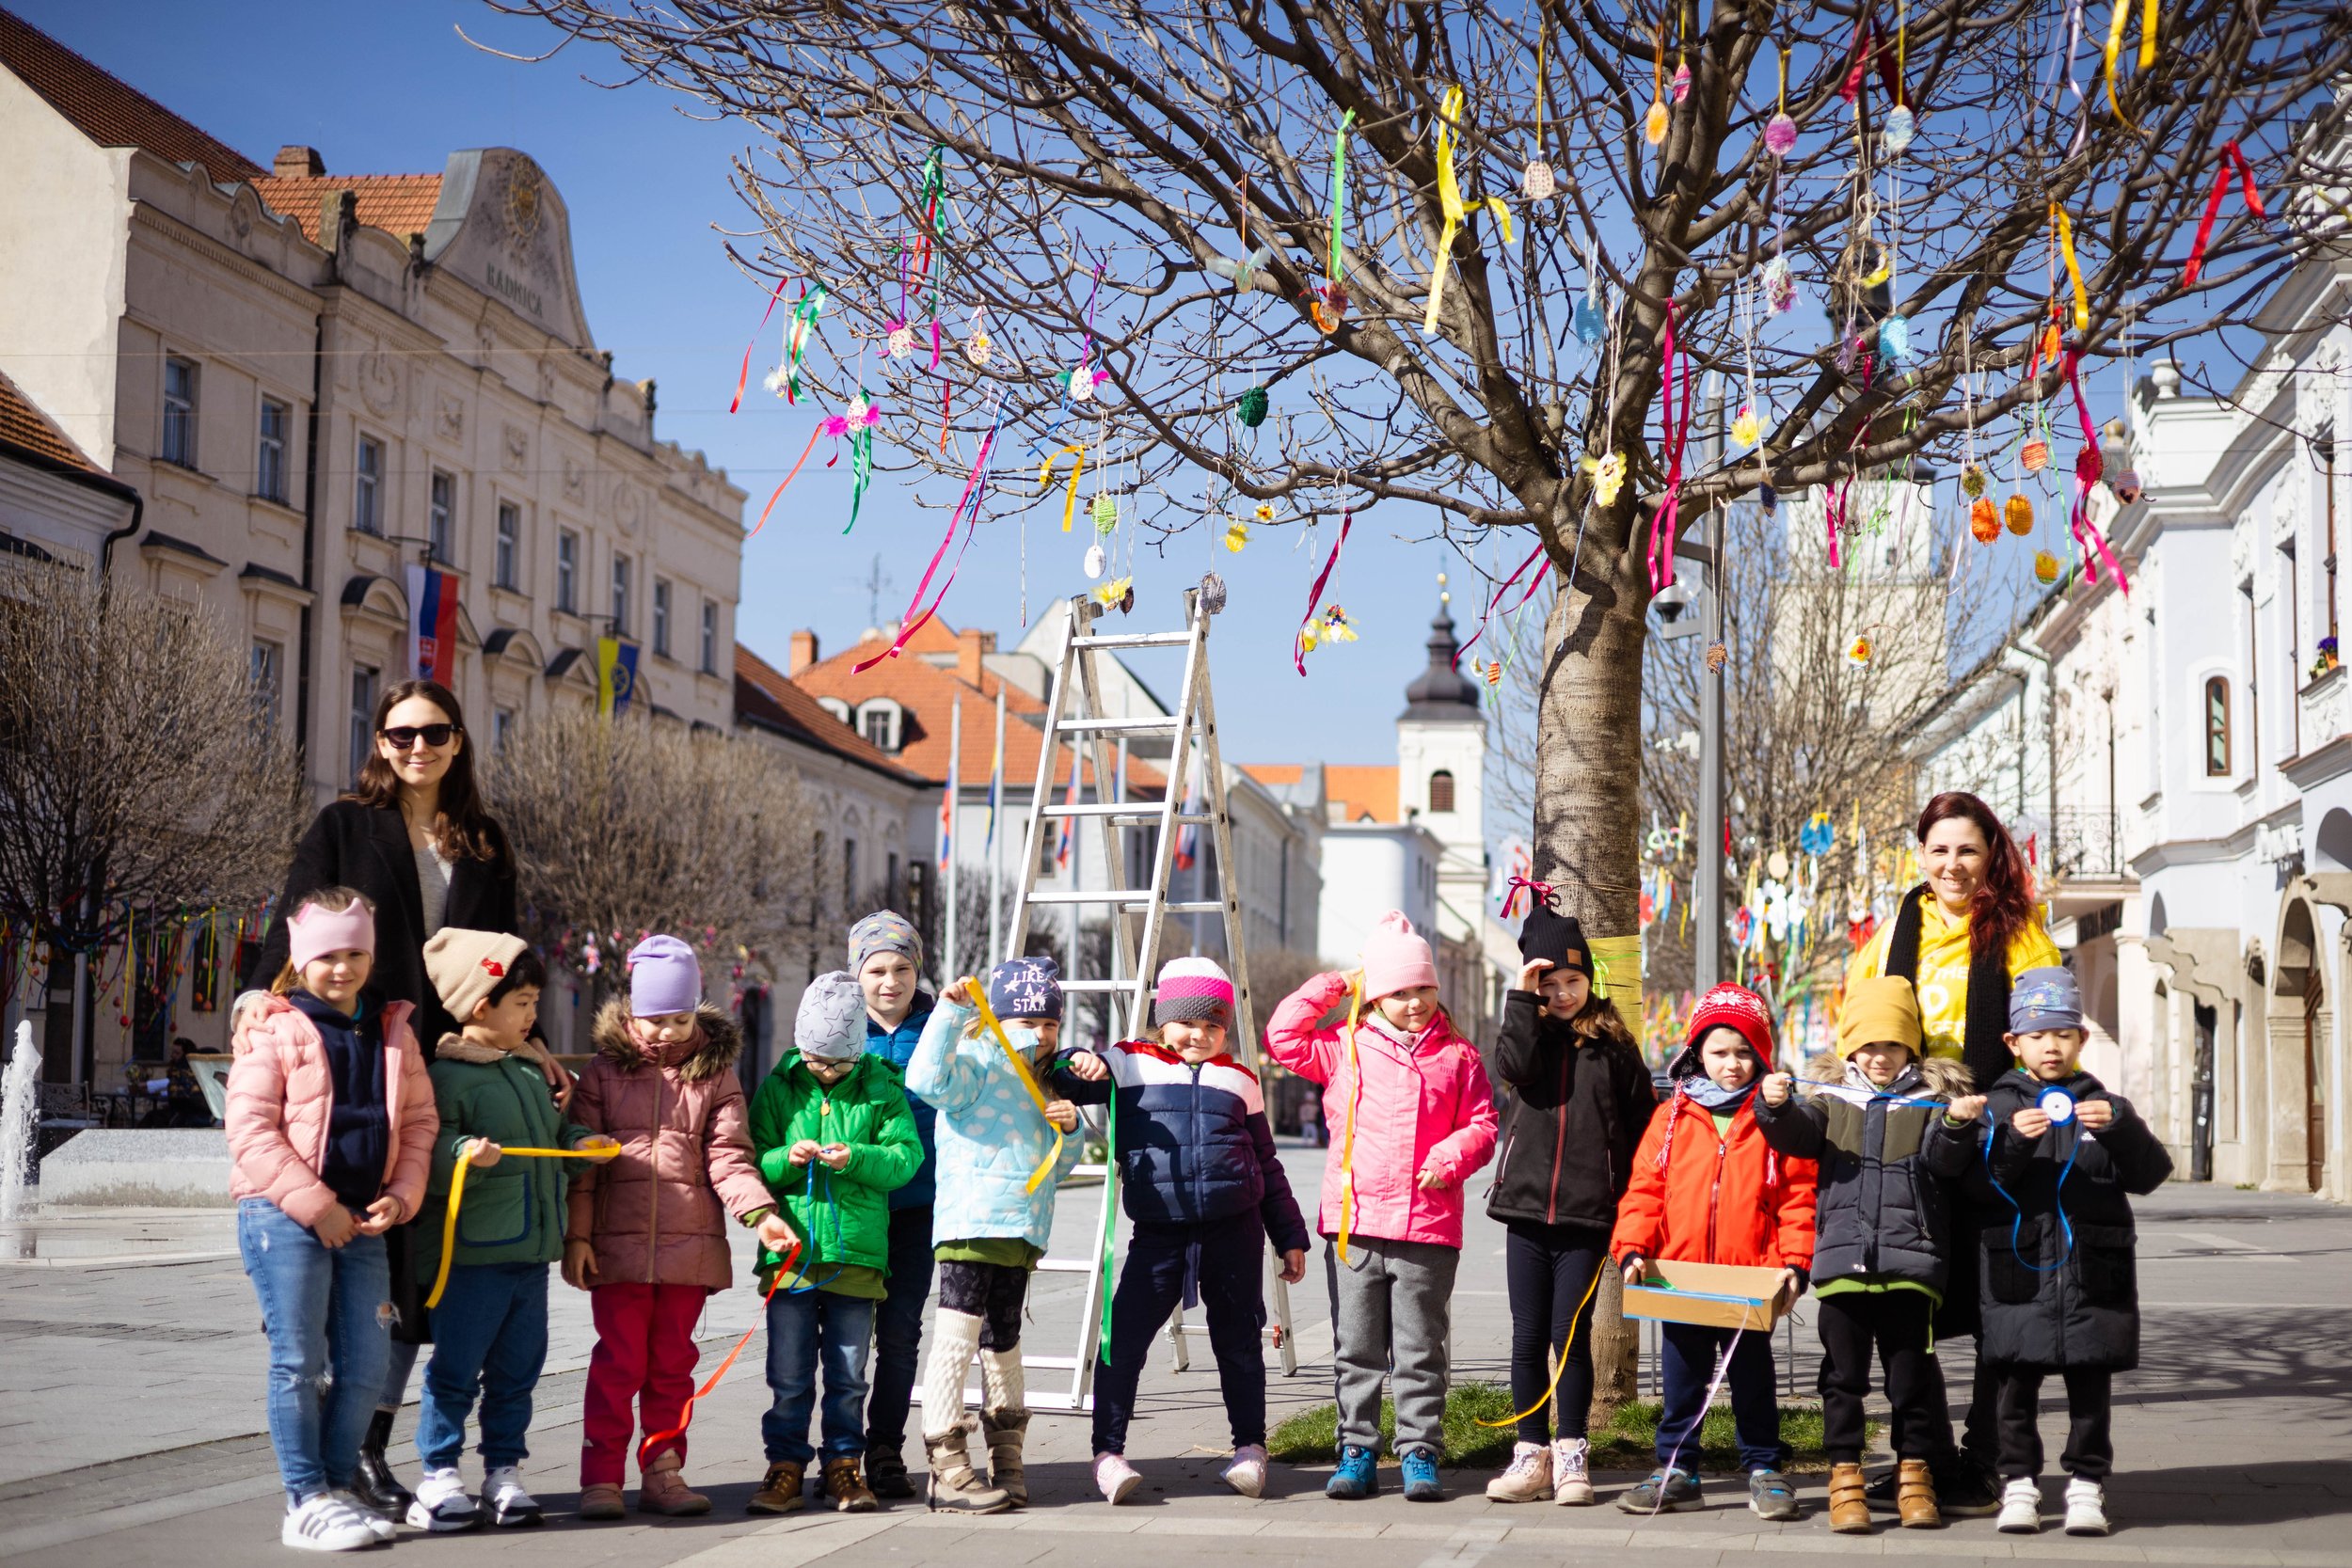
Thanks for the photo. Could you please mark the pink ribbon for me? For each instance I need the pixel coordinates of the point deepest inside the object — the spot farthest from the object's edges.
(1539, 895)
(1314, 595)
(915, 623)
(742, 377)
(1532, 584)
(1665, 523)
(2232, 159)
(2088, 468)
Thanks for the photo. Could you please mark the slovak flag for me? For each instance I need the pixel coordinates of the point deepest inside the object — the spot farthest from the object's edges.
(1062, 851)
(946, 825)
(1188, 836)
(432, 623)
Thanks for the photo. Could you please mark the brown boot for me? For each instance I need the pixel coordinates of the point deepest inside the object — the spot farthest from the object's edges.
(600, 1503)
(1005, 1429)
(848, 1493)
(1915, 1496)
(663, 1490)
(781, 1490)
(954, 1486)
(1849, 1509)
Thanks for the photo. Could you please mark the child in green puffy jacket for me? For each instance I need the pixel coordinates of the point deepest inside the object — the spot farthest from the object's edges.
(835, 1139)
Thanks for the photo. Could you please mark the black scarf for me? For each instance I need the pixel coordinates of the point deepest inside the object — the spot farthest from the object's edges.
(1984, 1047)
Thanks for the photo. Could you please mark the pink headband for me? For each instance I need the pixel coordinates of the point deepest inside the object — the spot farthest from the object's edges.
(314, 931)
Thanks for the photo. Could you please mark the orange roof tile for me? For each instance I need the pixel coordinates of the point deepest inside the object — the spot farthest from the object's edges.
(23, 426)
(106, 109)
(1275, 772)
(767, 696)
(400, 204)
(1362, 792)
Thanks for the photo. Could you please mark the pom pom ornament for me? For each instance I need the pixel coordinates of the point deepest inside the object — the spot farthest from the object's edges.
(2018, 512)
(1237, 536)
(1538, 183)
(1717, 655)
(2034, 455)
(901, 340)
(1972, 480)
(1095, 561)
(1984, 520)
(1250, 407)
(1858, 652)
(1901, 127)
(1608, 472)
(1681, 89)
(1654, 123)
(2046, 566)
(1745, 426)
(1780, 135)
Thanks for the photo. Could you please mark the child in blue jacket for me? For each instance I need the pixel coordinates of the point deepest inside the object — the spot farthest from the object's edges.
(1204, 1188)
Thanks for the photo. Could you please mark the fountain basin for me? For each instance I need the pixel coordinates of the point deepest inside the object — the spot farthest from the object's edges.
(178, 1167)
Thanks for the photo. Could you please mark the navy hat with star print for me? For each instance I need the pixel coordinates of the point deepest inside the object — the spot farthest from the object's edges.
(1025, 988)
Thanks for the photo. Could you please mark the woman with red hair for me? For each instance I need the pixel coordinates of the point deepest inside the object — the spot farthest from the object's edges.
(1960, 937)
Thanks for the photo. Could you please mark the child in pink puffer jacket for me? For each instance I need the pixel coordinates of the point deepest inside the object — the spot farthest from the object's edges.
(1411, 1117)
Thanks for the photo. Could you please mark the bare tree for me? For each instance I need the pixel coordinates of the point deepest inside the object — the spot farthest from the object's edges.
(624, 826)
(139, 776)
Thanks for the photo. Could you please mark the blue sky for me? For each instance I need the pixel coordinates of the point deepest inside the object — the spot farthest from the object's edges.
(393, 89)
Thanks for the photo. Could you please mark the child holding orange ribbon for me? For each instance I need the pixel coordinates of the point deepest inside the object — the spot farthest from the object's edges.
(1416, 1117)
(1003, 1151)
(503, 1226)
(330, 1125)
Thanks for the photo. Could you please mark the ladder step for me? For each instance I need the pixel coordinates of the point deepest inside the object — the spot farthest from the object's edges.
(1051, 1363)
(1098, 986)
(1117, 726)
(1133, 640)
(1127, 811)
(1105, 895)
(1204, 906)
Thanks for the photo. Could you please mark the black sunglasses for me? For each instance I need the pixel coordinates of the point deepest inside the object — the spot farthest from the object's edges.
(403, 736)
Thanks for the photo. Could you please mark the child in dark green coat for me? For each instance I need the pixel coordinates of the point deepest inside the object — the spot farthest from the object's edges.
(490, 1325)
(835, 1139)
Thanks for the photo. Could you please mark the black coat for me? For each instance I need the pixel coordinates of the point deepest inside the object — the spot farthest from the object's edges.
(1578, 1111)
(1883, 1215)
(366, 848)
(2059, 1283)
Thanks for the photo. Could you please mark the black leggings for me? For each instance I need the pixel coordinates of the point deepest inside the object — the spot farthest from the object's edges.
(993, 1293)
(1549, 1268)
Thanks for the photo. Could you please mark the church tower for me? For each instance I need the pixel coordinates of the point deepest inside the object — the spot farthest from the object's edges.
(1441, 775)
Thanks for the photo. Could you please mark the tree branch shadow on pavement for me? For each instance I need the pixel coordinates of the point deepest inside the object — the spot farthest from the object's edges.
(2246, 1352)
(2278, 1493)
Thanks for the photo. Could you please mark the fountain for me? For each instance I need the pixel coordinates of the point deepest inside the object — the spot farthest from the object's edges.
(20, 1114)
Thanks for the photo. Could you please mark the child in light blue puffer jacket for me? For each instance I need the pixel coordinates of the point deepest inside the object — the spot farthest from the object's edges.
(989, 1225)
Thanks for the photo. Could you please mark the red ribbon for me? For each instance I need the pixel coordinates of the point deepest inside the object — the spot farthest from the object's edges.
(915, 623)
(743, 376)
(2088, 468)
(1663, 525)
(1870, 42)
(1534, 583)
(686, 1411)
(1538, 895)
(787, 480)
(2230, 158)
(1314, 595)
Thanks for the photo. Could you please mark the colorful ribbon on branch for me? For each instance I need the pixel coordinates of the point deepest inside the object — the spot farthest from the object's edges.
(1339, 193)
(2115, 48)
(796, 335)
(978, 994)
(1488, 617)
(457, 1196)
(1449, 203)
(2230, 158)
(2065, 231)
(973, 490)
(1076, 453)
(1666, 522)
(857, 423)
(1314, 595)
(685, 1412)
(2088, 468)
(743, 376)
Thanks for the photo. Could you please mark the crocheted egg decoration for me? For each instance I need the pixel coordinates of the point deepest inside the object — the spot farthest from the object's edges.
(2018, 512)
(2046, 566)
(977, 348)
(1972, 479)
(1250, 407)
(1681, 89)
(2034, 455)
(1654, 123)
(1899, 129)
(1105, 513)
(1984, 520)
(1780, 134)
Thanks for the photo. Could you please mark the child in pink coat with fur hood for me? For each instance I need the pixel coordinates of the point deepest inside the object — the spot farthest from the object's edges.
(1412, 1117)
(331, 1122)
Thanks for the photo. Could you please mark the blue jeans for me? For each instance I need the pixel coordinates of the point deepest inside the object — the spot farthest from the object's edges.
(325, 1310)
(898, 1330)
(1688, 1366)
(490, 1336)
(801, 1328)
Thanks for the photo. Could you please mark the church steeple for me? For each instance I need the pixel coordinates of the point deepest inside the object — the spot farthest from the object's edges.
(1441, 692)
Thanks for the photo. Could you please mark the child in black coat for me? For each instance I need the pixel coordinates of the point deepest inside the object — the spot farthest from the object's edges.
(2059, 1293)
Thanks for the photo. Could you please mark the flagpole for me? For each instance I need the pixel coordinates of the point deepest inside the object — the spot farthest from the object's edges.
(996, 839)
(948, 975)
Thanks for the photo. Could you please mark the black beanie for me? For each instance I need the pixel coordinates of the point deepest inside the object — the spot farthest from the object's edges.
(1557, 939)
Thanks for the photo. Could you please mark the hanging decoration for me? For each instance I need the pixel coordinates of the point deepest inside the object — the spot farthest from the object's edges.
(1780, 131)
(1304, 642)
(1984, 520)
(1972, 480)
(2046, 566)
(1608, 472)
(857, 423)
(2018, 512)
(2232, 159)
(1654, 122)
(1449, 205)
(974, 490)
(1538, 183)
(1329, 307)
(743, 376)
(1672, 436)
(1237, 536)
(1119, 594)
(1096, 559)
(900, 339)
(1250, 407)
(2088, 465)
(2034, 455)
(977, 345)
(1076, 453)
(2073, 269)
(1780, 286)
(2115, 48)
(785, 380)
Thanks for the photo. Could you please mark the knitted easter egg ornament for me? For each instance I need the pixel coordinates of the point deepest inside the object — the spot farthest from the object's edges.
(1972, 480)
(1250, 407)
(2046, 566)
(2034, 455)
(2018, 512)
(1984, 520)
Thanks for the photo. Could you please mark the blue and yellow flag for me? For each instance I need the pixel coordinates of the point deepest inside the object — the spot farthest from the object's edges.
(616, 675)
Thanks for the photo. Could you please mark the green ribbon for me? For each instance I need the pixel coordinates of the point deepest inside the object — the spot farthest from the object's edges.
(1338, 190)
(1110, 1225)
(797, 334)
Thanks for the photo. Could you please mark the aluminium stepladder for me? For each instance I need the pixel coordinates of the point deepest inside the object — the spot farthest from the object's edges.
(1139, 914)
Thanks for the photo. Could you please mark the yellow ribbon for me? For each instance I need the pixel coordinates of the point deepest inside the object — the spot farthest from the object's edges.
(978, 994)
(1502, 215)
(1563, 1367)
(1449, 201)
(2115, 47)
(2074, 271)
(1355, 1097)
(1069, 499)
(457, 1194)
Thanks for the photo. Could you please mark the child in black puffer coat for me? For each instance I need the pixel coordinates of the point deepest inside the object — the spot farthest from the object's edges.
(2062, 1158)
(1581, 1098)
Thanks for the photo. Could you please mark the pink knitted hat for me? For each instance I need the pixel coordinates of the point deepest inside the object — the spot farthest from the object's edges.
(312, 932)
(1396, 958)
(1192, 989)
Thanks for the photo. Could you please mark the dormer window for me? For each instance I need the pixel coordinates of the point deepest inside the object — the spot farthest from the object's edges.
(877, 720)
(1442, 790)
(839, 708)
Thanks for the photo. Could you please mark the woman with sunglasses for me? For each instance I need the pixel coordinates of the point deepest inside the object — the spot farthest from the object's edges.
(414, 837)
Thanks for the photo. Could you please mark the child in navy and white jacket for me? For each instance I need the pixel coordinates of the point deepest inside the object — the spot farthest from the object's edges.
(1204, 1189)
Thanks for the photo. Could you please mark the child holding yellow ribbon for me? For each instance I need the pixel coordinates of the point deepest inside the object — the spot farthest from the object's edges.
(1002, 1153)
(501, 1225)
(1416, 1117)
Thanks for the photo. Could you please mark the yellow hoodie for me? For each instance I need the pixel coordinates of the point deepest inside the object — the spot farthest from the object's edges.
(1943, 981)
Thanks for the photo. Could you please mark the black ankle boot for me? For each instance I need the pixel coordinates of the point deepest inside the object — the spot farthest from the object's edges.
(375, 1484)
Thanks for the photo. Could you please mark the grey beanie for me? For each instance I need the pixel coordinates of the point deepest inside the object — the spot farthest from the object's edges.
(884, 931)
(831, 1025)
(2047, 998)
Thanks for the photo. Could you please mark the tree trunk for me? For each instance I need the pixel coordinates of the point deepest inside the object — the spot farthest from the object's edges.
(1616, 1350)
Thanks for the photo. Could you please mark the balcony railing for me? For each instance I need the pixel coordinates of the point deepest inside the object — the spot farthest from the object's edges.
(2087, 842)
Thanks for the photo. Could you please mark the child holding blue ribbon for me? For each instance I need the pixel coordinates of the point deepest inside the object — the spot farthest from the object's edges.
(835, 1139)
(2062, 1158)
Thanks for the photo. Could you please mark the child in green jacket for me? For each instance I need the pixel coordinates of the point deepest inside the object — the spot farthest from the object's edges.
(490, 1325)
(835, 1139)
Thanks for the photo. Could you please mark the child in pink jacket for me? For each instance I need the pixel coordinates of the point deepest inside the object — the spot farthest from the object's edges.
(1412, 1116)
(331, 1122)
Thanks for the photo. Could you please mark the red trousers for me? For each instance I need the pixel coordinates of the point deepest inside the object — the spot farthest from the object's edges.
(643, 1363)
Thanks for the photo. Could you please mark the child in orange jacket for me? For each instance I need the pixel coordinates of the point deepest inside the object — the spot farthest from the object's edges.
(1708, 1188)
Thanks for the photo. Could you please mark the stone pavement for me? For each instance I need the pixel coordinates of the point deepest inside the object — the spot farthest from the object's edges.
(130, 1400)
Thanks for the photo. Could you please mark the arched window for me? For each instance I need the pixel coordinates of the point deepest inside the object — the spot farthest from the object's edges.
(1442, 790)
(2216, 728)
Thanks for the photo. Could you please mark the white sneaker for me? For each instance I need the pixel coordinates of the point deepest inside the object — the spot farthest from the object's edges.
(2021, 1507)
(1529, 1478)
(325, 1523)
(510, 1505)
(385, 1530)
(2086, 1507)
(441, 1504)
(1571, 1471)
(1115, 1476)
(1246, 1473)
